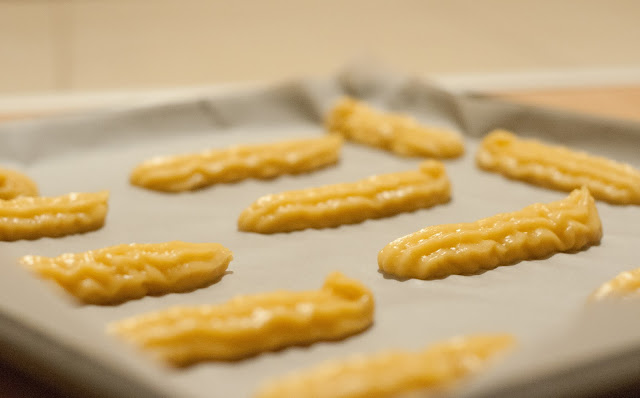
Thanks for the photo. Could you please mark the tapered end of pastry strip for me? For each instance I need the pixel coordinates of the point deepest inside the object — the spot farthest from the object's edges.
(433, 168)
(340, 112)
(14, 184)
(349, 289)
(624, 286)
(427, 141)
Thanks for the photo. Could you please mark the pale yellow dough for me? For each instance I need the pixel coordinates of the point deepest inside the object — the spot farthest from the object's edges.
(249, 325)
(37, 217)
(625, 284)
(535, 232)
(119, 273)
(393, 132)
(333, 205)
(14, 184)
(388, 374)
(196, 170)
(558, 167)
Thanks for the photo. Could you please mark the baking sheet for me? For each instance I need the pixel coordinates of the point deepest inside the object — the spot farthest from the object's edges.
(541, 302)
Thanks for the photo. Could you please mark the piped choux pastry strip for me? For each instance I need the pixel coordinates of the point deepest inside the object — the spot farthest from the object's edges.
(557, 167)
(333, 205)
(389, 374)
(535, 232)
(249, 325)
(197, 170)
(119, 273)
(396, 133)
(37, 217)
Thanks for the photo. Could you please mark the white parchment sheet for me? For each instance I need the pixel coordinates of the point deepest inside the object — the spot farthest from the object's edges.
(564, 347)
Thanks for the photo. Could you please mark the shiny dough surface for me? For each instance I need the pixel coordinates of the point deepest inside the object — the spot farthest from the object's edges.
(558, 167)
(197, 170)
(396, 133)
(534, 232)
(119, 273)
(249, 325)
(390, 373)
(349, 203)
(14, 184)
(37, 217)
(625, 284)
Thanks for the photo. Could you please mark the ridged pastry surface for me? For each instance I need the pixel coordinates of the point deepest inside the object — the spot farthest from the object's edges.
(349, 203)
(119, 273)
(37, 217)
(197, 170)
(535, 232)
(396, 133)
(249, 325)
(558, 167)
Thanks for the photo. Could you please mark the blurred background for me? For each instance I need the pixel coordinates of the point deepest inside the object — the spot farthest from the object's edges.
(93, 45)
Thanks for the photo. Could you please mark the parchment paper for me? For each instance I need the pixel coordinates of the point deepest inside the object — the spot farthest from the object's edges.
(561, 339)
